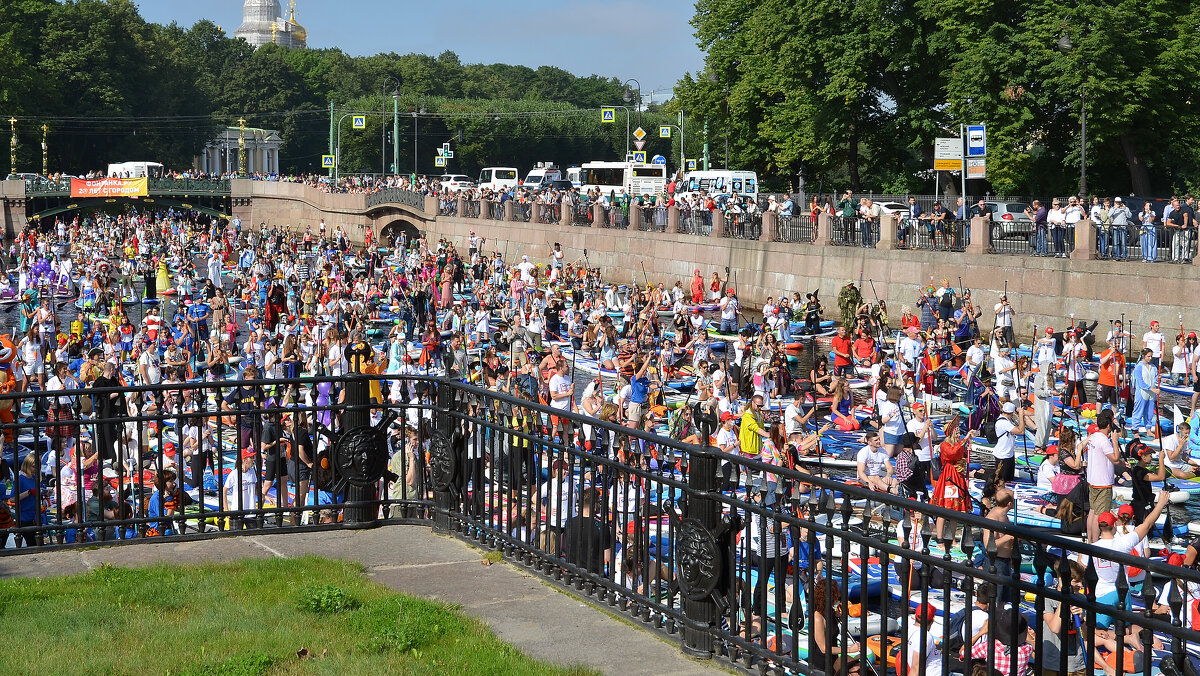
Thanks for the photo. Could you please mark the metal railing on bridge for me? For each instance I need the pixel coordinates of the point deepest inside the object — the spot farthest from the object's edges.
(396, 196)
(795, 229)
(736, 557)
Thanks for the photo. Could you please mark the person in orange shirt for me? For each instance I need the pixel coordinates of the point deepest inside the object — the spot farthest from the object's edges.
(864, 350)
(842, 360)
(1112, 369)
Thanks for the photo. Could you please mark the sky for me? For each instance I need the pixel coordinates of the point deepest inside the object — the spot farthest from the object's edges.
(649, 40)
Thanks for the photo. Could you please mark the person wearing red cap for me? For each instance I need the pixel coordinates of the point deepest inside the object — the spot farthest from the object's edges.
(1140, 477)
(1106, 570)
(730, 309)
(923, 653)
(1046, 352)
(1155, 341)
(727, 436)
(1112, 367)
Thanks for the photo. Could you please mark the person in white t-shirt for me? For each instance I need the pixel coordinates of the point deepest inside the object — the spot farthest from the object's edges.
(1006, 433)
(1074, 354)
(975, 354)
(1102, 460)
(526, 270)
(909, 350)
(874, 465)
(1154, 340)
(794, 421)
(1048, 469)
(1004, 320)
(1175, 453)
(922, 635)
(921, 426)
(562, 390)
(1109, 538)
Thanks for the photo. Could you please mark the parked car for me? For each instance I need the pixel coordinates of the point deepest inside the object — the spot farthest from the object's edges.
(1009, 220)
(894, 208)
(560, 185)
(456, 181)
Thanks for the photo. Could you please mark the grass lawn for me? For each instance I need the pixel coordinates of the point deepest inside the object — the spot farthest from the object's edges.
(271, 616)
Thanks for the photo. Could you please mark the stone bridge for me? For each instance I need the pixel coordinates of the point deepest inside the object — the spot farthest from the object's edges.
(293, 206)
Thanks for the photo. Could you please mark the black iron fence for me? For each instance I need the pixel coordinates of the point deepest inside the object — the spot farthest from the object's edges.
(695, 221)
(582, 214)
(616, 217)
(551, 213)
(522, 211)
(654, 219)
(473, 209)
(739, 225)
(773, 565)
(931, 235)
(795, 229)
(854, 231)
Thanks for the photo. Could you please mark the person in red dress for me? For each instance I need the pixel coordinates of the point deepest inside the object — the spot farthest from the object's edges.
(950, 489)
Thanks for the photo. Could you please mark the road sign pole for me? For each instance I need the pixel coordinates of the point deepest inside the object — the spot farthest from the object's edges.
(962, 131)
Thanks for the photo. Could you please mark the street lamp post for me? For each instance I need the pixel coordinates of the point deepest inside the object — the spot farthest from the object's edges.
(628, 96)
(12, 122)
(1065, 46)
(418, 109)
(394, 84)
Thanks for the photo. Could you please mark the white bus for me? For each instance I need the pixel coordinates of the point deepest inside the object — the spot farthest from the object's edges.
(135, 170)
(634, 179)
(722, 182)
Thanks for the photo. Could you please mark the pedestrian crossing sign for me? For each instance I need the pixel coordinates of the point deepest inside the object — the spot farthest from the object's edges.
(639, 156)
(359, 121)
(327, 161)
(664, 131)
(691, 165)
(608, 114)
(439, 161)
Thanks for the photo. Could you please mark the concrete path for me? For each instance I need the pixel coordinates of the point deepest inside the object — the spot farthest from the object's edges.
(537, 618)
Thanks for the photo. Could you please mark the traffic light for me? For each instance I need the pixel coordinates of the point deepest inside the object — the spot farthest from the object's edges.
(389, 137)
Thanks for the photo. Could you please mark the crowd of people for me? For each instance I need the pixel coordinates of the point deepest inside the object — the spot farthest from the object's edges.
(167, 298)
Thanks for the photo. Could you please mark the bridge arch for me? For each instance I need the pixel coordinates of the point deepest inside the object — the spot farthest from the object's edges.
(398, 226)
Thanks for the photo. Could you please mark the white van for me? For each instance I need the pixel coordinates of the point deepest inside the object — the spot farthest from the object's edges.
(722, 182)
(497, 178)
(544, 171)
(573, 176)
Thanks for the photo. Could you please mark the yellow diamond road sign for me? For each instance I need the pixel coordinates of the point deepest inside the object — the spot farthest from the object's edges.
(327, 161)
(664, 131)
(608, 114)
(359, 121)
(639, 133)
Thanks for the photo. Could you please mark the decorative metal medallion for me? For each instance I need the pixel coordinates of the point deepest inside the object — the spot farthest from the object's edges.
(443, 462)
(699, 560)
(361, 455)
